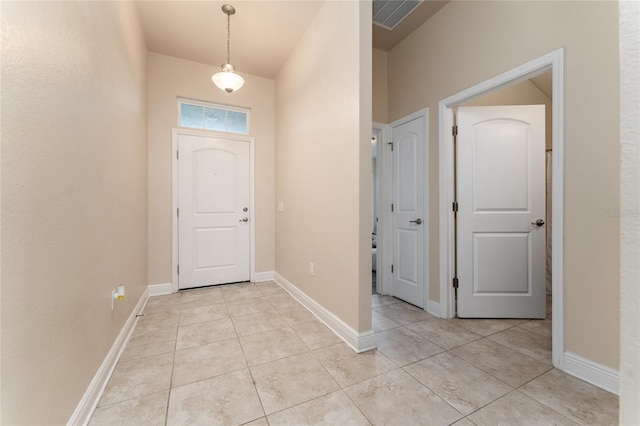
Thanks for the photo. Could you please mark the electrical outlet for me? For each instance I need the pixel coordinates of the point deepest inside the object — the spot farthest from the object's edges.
(312, 269)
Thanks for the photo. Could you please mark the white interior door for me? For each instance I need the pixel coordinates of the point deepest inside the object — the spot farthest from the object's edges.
(501, 199)
(409, 215)
(214, 235)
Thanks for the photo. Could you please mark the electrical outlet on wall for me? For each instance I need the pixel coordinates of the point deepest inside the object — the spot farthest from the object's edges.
(312, 269)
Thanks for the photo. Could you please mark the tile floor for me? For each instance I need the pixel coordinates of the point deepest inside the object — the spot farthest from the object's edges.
(251, 354)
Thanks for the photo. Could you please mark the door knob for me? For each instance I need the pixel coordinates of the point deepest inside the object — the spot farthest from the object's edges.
(538, 222)
(246, 219)
(418, 221)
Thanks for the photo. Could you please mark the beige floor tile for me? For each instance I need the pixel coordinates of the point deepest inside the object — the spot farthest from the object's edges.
(205, 332)
(464, 422)
(296, 314)
(290, 381)
(210, 312)
(240, 292)
(378, 300)
(462, 385)
(269, 287)
(146, 410)
(229, 399)
(531, 344)
(486, 327)
(380, 322)
(271, 345)
(280, 300)
(206, 361)
(148, 323)
(403, 346)
(403, 313)
(541, 327)
(574, 398)
(152, 343)
(516, 409)
(258, 322)
(262, 421)
(396, 398)
(329, 410)
(241, 307)
(168, 302)
(201, 297)
(443, 333)
(138, 377)
(348, 367)
(512, 367)
(315, 335)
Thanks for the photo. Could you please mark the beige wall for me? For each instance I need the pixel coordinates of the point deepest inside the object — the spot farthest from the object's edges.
(74, 191)
(380, 91)
(170, 78)
(466, 43)
(323, 162)
(523, 93)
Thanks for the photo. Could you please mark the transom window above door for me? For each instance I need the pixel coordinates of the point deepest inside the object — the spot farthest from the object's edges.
(209, 116)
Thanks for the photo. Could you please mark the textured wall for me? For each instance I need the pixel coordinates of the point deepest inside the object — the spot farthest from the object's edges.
(74, 197)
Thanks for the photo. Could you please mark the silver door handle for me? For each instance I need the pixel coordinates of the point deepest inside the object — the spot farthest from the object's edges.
(538, 222)
(246, 219)
(418, 221)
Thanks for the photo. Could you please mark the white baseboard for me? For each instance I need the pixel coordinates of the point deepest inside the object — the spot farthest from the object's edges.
(89, 401)
(263, 276)
(160, 289)
(592, 372)
(433, 308)
(359, 342)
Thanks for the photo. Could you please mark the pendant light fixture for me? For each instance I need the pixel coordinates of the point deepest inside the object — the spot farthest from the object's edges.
(227, 79)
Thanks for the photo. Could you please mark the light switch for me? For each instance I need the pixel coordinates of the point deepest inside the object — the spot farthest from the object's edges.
(280, 206)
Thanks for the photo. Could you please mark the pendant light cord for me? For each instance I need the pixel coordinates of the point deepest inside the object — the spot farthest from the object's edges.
(228, 38)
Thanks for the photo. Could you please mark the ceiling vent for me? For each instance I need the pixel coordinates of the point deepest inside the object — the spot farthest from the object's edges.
(389, 13)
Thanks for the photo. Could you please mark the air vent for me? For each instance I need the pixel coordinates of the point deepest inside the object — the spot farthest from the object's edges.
(389, 13)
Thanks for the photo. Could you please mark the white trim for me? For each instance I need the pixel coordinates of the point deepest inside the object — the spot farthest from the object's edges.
(384, 252)
(432, 308)
(159, 289)
(263, 276)
(359, 342)
(422, 113)
(592, 372)
(555, 62)
(87, 405)
(174, 196)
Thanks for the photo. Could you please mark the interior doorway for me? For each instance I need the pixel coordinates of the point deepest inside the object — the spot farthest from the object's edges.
(553, 63)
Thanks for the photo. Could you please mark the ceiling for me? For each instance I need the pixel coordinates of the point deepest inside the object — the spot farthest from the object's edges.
(263, 33)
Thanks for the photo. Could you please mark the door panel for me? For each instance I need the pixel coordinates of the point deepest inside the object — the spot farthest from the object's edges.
(500, 177)
(214, 191)
(409, 192)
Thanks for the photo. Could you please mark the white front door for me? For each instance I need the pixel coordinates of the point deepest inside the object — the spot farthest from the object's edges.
(213, 200)
(409, 215)
(501, 201)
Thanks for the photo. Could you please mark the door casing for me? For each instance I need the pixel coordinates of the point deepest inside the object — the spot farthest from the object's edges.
(553, 61)
(174, 195)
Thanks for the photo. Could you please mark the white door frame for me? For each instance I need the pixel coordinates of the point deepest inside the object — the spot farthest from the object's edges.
(553, 61)
(384, 253)
(174, 196)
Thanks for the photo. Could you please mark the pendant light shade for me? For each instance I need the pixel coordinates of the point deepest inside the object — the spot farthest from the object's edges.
(227, 79)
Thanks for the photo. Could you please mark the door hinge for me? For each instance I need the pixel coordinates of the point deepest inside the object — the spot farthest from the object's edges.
(391, 143)
(391, 208)
(392, 269)
(455, 283)
(455, 206)
(178, 212)
(454, 130)
(178, 270)
(177, 155)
